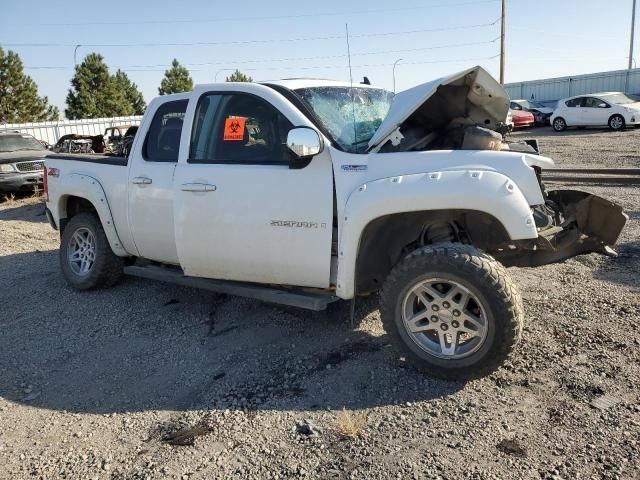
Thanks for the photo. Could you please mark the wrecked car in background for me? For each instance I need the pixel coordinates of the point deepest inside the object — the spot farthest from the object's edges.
(115, 136)
(75, 143)
(304, 191)
(521, 119)
(123, 146)
(541, 113)
(115, 140)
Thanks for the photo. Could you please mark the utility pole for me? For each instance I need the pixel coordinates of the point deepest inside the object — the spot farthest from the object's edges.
(633, 27)
(503, 24)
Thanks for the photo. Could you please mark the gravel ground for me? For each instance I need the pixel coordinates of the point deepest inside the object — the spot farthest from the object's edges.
(93, 384)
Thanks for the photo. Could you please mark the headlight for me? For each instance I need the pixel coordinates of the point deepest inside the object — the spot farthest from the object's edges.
(6, 168)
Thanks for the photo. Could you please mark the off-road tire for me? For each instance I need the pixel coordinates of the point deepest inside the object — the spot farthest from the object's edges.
(480, 273)
(107, 268)
(616, 120)
(559, 124)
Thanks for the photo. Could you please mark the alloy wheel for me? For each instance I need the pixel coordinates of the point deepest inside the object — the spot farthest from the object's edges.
(444, 318)
(81, 251)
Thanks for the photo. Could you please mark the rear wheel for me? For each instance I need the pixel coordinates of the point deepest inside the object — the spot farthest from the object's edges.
(86, 258)
(452, 310)
(616, 122)
(559, 124)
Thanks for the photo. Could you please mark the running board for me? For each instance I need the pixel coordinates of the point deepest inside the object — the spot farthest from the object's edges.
(293, 298)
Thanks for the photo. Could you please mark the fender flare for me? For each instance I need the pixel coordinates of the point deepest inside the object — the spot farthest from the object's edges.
(484, 191)
(89, 188)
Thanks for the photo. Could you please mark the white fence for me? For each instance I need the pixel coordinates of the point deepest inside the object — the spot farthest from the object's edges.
(50, 132)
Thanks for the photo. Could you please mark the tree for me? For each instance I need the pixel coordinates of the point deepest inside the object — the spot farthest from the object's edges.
(95, 93)
(132, 95)
(19, 99)
(176, 80)
(238, 76)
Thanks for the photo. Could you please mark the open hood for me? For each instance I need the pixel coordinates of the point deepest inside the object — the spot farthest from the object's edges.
(470, 97)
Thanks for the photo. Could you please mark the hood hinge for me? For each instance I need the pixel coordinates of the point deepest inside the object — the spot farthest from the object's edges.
(396, 137)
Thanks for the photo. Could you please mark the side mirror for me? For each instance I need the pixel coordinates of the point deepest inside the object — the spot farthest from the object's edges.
(303, 143)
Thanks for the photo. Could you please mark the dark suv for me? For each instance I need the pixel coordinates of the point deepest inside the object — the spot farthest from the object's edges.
(21, 161)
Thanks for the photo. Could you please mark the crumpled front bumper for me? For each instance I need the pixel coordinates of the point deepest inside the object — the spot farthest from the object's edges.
(579, 223)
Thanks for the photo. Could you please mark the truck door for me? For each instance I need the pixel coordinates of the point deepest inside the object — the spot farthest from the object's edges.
(151, 183)
(241, 213)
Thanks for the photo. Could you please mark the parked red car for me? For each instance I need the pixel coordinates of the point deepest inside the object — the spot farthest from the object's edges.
(521, 119)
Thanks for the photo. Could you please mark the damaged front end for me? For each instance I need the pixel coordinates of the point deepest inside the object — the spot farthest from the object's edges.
(570, 223)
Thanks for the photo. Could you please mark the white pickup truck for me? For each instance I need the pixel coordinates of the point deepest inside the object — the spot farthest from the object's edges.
(303, 192)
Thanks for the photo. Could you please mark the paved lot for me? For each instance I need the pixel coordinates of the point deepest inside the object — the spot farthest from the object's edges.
(91, 382)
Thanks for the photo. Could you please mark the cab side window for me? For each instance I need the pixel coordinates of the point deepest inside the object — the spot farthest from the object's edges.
(239, 128)
(163, 139)
(576, 102)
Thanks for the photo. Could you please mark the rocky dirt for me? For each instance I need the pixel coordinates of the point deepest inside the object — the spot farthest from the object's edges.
(103, 384)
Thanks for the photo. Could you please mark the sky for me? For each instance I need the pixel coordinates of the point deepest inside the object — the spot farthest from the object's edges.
(283, 39)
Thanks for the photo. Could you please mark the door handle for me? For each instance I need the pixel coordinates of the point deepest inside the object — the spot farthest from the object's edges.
(197, 187)
(141, 180)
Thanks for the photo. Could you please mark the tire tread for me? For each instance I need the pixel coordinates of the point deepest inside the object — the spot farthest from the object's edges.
(108, 267)
(480, 267)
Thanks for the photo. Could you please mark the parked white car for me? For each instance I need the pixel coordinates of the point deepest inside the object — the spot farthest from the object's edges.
(614, 109)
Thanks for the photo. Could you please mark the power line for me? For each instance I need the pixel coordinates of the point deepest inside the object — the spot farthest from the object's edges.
(246, 42)
(287, 59)
(254, 18)
(315, 67)
(320, 57)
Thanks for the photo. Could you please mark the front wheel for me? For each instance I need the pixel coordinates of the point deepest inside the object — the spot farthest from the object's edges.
(453, 310)
(86, 258)
(559, 124)
(616, 122)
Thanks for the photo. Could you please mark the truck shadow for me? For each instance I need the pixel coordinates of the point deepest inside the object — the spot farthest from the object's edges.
(144, 345)
(24, 210)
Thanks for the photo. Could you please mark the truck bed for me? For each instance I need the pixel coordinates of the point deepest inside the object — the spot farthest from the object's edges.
(91, 158)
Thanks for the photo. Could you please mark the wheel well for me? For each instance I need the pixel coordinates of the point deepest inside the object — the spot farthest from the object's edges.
(387, 239)
(72, 206)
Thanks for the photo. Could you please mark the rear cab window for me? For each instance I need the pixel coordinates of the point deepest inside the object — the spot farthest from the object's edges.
(162, 142)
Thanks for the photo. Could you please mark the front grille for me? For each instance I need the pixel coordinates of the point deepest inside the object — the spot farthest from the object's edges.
(30, 166)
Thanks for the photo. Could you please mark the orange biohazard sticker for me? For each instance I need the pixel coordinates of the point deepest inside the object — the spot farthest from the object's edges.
(234, 129)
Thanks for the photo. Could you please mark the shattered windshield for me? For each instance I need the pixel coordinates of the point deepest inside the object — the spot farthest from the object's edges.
(19, 142)
(351, 115)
